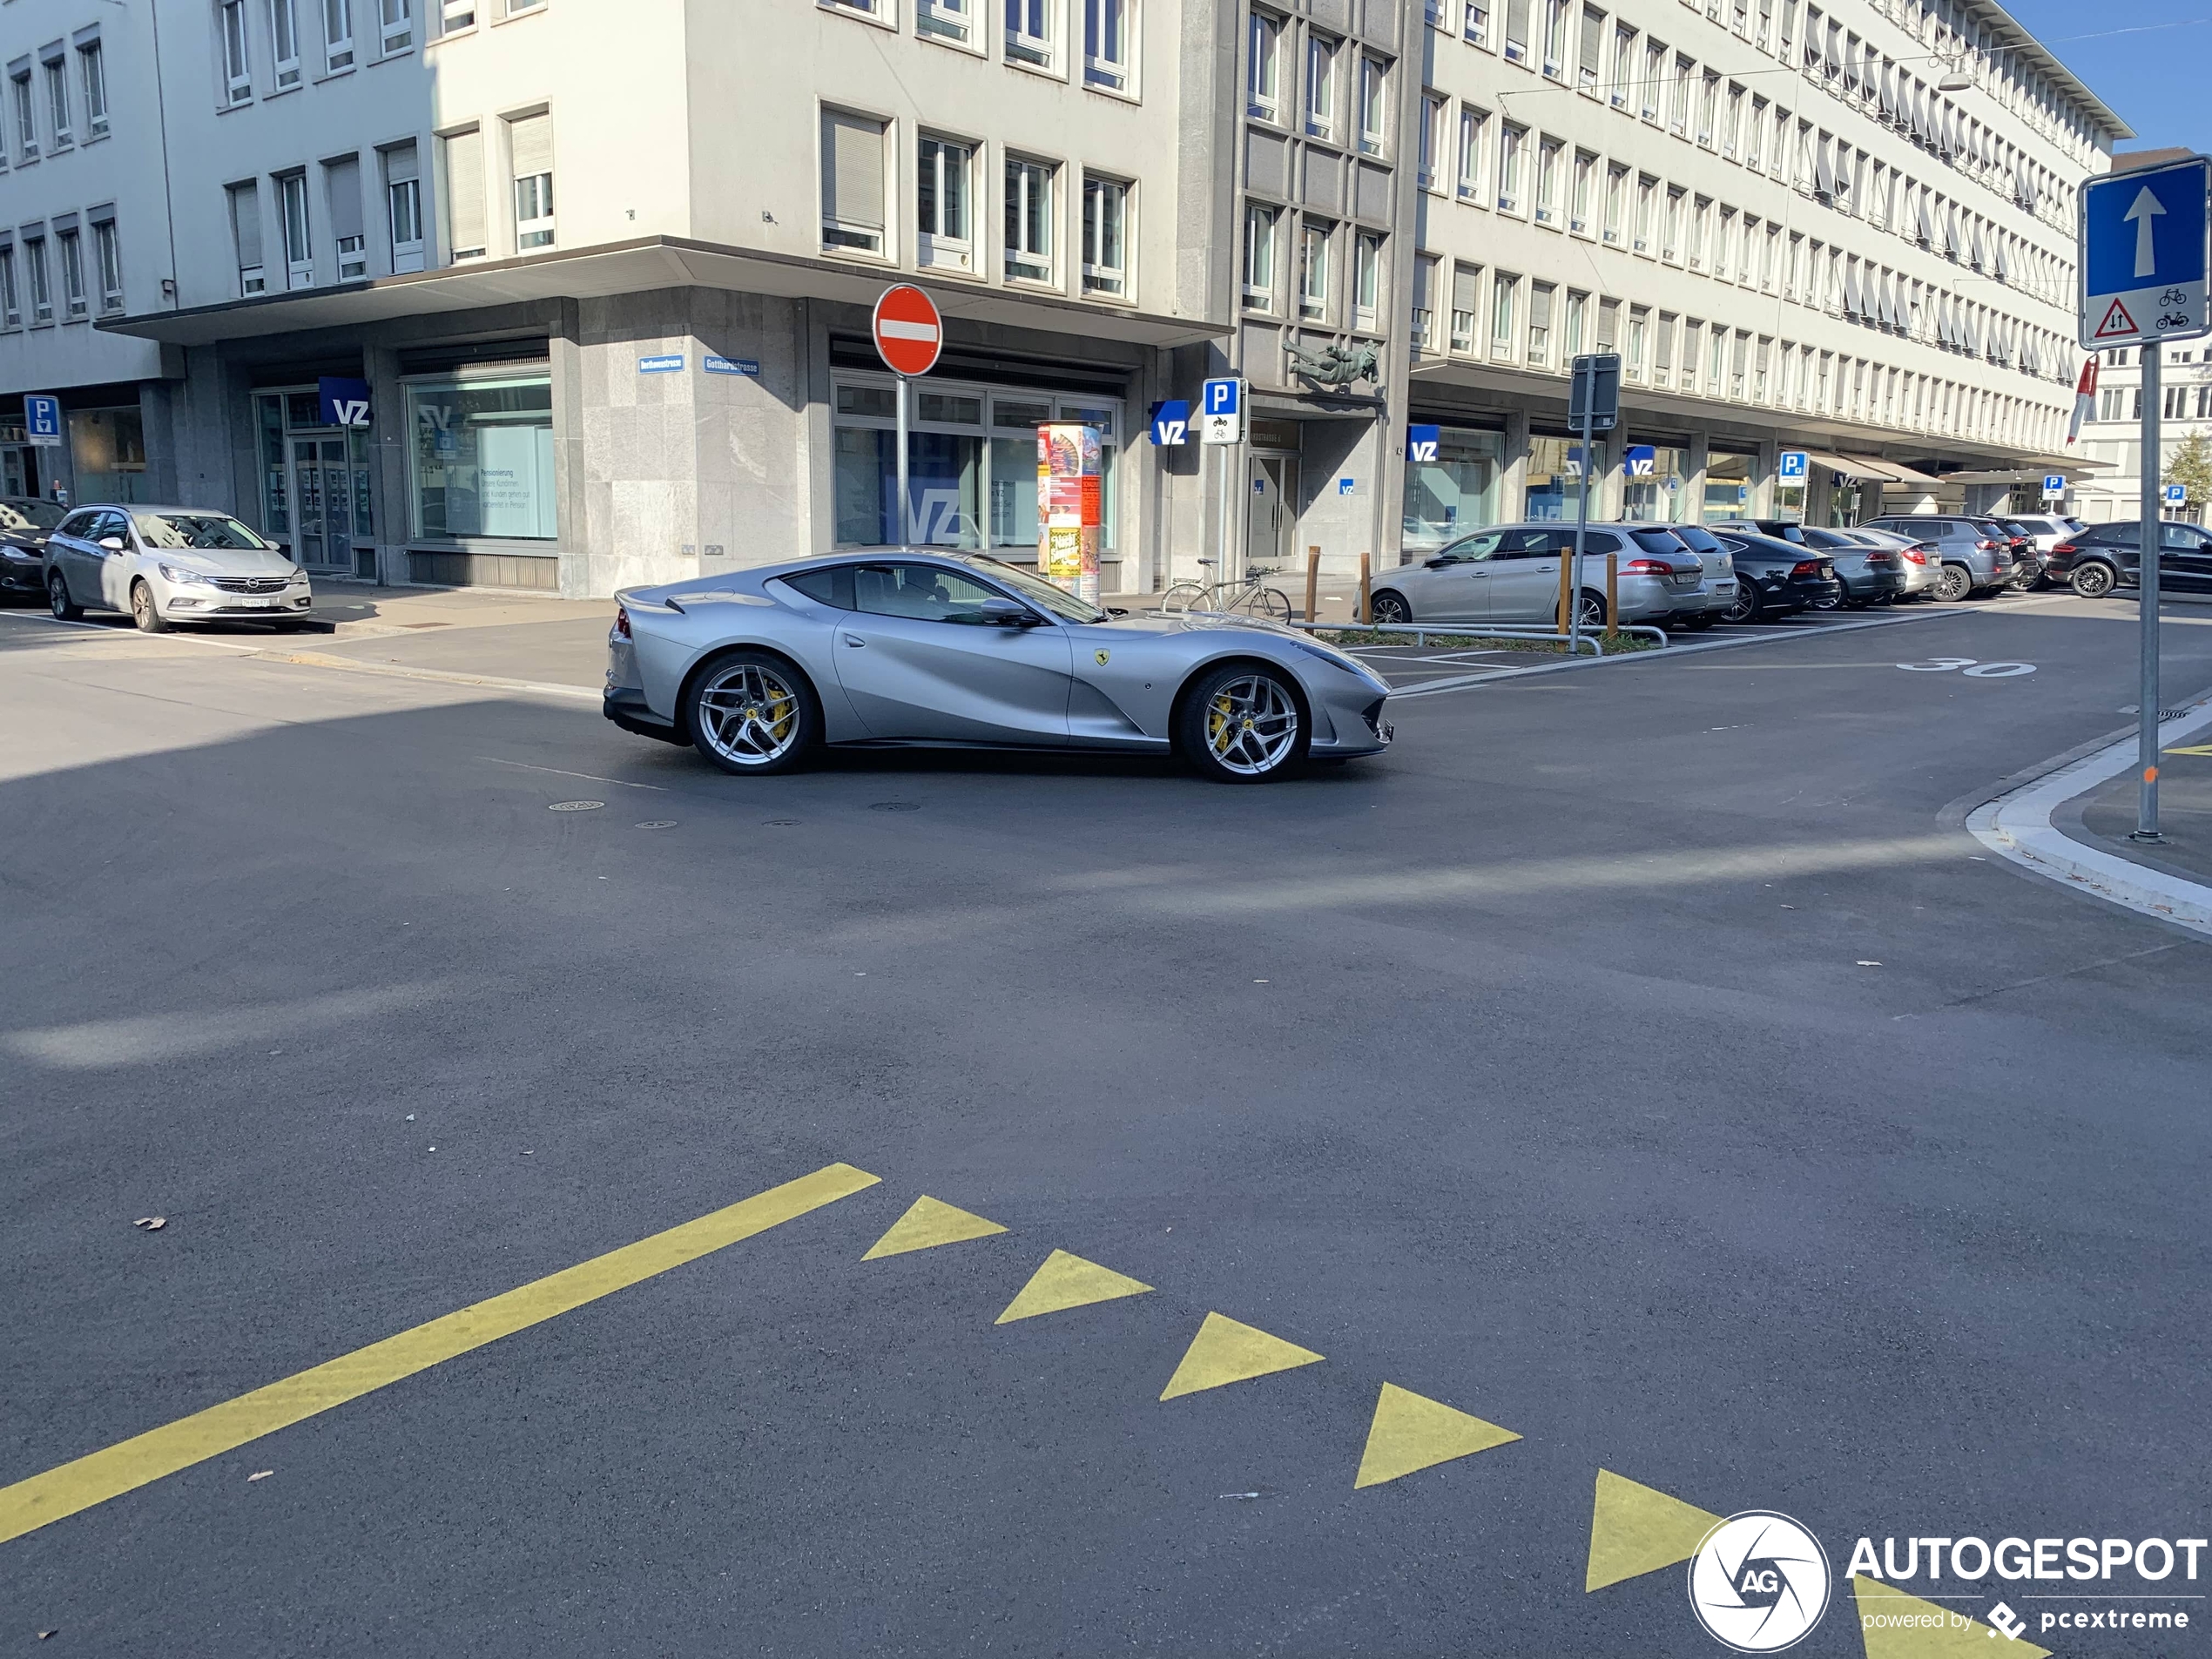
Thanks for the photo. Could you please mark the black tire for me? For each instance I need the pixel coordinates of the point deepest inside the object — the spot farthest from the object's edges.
(1390, 607)
(58, 600)
(1592, 610)
(145, 614)
(1745, 606)
(1235, 719)
(765, 692)
(1698, 623)
(2091, 579)
(1957, 583)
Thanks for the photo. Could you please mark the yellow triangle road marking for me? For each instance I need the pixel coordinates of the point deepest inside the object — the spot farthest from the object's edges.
(2194, 749)
(1895, 1626)
(1411, 1432)
(1227, 1350)
(928, 1223)
(1635, 1530)
(1068, 1281)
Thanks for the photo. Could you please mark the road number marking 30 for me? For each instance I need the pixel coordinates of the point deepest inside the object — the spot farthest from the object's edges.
(1974, 669)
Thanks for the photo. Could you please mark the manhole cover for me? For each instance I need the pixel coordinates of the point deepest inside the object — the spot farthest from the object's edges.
(576, 806)
(659, 823)
(894, 805)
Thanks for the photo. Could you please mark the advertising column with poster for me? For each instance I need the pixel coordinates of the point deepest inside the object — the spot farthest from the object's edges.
(1069, 507)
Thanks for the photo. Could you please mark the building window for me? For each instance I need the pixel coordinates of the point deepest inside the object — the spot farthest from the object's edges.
(529, 144)
(1029, 31)
(11, 306)
(456, 15)
(41, 291)
(298, 248)
(72, 246)
(397, 18)
(1457, 492)
(1320, 87)
(1505, 294)
(1511, 141)
(1578, 201)
(1028, 220)
(403, 207)
(338, 34)
(1476, 24)
(107, 248)
(93, 68)
(1465, 298)
(1617, 194)
(245, 237)
(1541, 298)
(945, 19)
(1570, 345)
(1474, 136)
(237, 75)
(944, 235)
(852, 182)
(1260, 256)
(1366, 280)
(1106, 43)
(479, 458)
(1435, 139)
(1105, 236)
(1374, 110)
(1639, 336)
(284, 41)
(57, 69)
(341, 189)
(26, 117)
(1547, 154)
(1313, 274)
(1263, 74)
(466, 234)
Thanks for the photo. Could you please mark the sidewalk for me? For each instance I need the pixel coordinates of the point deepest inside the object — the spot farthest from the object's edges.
(443, 630)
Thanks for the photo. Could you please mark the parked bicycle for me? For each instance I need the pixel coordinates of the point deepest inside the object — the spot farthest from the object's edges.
(1252, 595)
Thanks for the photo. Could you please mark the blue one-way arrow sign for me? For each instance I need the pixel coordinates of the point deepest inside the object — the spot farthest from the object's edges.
(2144, 255)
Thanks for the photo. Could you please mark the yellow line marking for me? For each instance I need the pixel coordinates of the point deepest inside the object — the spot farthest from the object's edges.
(30, 1504)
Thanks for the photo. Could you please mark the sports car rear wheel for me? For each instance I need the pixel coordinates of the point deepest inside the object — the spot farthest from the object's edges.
(753, 712)
(1241, 724)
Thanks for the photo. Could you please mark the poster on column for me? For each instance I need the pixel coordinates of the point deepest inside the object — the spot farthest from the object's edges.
(1069, 507)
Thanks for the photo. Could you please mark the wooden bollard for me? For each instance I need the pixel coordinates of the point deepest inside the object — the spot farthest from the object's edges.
(1613, 596)
(1313, 582)
(1366, 584)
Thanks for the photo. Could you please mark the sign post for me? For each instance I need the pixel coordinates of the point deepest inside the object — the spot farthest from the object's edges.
(1221, 427)
(909, 334)
(1592, 406)
(2146, 256)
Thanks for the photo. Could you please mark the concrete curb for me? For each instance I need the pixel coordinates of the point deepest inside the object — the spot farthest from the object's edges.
(437, 676)
(2017, 825)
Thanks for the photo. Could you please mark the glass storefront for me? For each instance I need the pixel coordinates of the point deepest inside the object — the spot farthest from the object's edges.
(1789, 503)
(316, 496)
(1655, 480)
(1455, 493)
(107, 451)
(1727, 485)
(1555, 478)
(971, 463)
(480, 457)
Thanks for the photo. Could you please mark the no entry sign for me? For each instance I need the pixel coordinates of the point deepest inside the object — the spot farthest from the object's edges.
(908, 333)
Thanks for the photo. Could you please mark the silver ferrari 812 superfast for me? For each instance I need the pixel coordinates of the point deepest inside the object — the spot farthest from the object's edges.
(762, 667)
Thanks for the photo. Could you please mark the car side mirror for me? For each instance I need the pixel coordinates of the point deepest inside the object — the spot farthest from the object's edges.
(1438, 563)
(112, 543)
(1006, 613)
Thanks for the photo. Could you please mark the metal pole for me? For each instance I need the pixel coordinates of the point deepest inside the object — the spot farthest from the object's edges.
(2147, 716)
(905, 512)
(1582, 527)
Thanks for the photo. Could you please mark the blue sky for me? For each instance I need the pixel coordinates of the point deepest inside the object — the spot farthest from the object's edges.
(2152, 75)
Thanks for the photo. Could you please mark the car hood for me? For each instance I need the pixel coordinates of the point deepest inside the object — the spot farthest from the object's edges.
(226, 560)
(1198, 622)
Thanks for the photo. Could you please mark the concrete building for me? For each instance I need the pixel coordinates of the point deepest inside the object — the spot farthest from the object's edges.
(601, 272)
(2112, 436)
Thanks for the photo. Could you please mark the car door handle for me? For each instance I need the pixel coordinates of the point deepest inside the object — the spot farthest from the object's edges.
(855, 639)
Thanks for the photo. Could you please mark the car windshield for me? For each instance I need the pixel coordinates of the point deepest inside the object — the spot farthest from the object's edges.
(30, 514)
(214, 532)
(1035, 590)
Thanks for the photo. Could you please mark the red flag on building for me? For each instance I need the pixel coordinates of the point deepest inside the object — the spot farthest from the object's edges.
(2085, 400)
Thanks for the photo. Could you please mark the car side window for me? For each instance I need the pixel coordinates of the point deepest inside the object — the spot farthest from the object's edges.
(1470, 548)
(75, 524)
(921, 592)
(830, 586)
(111, 524)
(1596, 543)
(2181, 538)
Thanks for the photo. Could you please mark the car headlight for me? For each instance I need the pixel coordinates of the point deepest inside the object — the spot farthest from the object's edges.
(178, 573)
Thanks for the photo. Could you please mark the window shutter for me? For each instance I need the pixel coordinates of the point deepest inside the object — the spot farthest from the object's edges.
(343, 180)
(853, 170)
(1593, 31)
(531, 140)
(1608, 324)
(400, 163)
(465, 193)
(246, 223)
(1463, 289)
(1422, 268)
(1517, 24)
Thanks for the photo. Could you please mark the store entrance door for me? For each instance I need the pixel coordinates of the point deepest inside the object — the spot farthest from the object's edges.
(1272, 524)
(322, 488)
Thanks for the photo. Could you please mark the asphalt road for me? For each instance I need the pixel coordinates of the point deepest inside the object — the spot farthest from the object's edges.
(1634, 1058)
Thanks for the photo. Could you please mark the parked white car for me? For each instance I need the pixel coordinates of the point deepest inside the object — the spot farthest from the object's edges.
(170, 565)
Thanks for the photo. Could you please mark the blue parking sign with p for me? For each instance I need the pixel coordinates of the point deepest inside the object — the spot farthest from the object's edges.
(1422, 442)
(1222, 396)
(41, 418)
(1791, 467)
(1171, 422)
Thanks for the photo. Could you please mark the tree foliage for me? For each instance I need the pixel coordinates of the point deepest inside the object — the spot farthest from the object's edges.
(2190, 466)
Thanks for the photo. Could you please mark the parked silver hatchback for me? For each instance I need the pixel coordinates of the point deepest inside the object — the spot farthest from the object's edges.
(166, 564)
(1508, 575)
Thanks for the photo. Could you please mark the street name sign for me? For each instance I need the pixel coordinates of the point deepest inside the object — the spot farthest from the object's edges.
(2146, 244)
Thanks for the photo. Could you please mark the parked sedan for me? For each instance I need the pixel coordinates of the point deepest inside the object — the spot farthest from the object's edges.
(1869, 574)
(760, 668)
(25, 522)
(1509, 573)
(1776, 579)
(1923, 562)
(167, 564)
(2104, 558)
(1716, 594)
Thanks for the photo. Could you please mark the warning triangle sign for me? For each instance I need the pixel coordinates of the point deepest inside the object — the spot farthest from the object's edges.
(2117, 321)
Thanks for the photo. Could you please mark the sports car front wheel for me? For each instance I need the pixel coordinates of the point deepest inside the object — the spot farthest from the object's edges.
(753, 713)
(1241, 724)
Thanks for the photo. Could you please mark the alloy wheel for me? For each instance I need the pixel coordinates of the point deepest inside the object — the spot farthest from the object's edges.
(750, 715)
(1251, 725)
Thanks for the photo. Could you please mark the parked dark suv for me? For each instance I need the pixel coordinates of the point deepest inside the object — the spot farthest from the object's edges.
(2104, 556)
(1977, 552)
